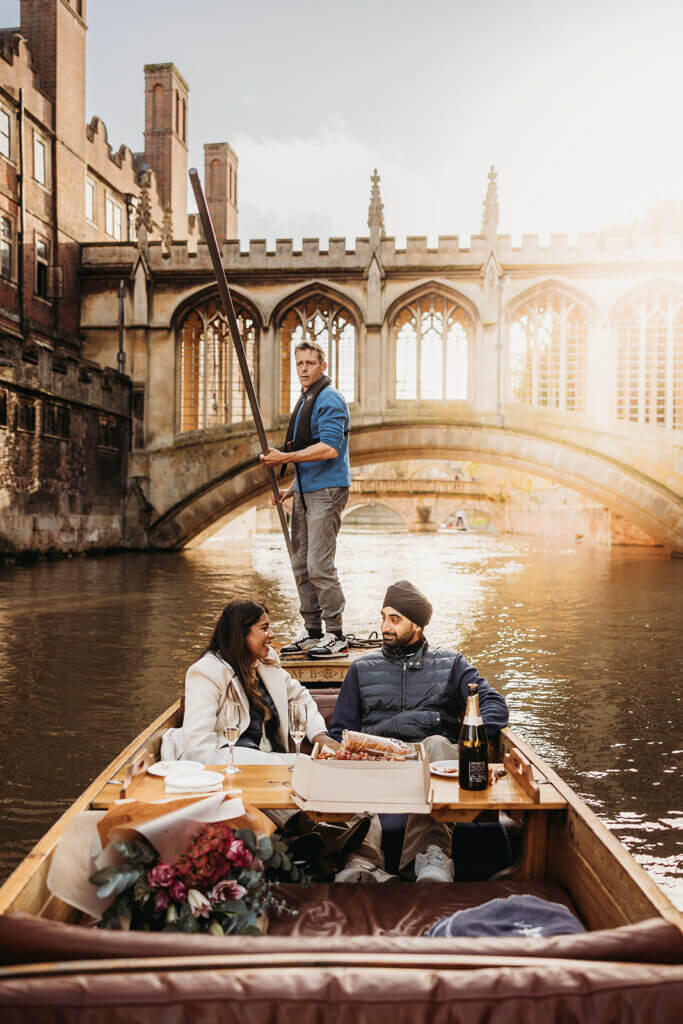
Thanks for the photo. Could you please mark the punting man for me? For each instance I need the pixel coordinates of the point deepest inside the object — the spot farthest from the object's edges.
(317, 444)
(411, 691)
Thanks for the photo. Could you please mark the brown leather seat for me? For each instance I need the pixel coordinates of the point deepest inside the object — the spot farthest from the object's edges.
(630, 973)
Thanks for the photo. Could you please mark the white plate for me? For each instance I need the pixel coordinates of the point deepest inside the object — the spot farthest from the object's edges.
(194, 780)
(164, 767)
(444, 769)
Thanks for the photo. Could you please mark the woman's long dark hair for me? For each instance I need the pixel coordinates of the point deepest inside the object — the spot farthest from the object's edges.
(229, 641)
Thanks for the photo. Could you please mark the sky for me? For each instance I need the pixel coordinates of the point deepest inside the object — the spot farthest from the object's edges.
(577, 104)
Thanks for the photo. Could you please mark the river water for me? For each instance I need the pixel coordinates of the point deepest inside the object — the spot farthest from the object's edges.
(585, 644)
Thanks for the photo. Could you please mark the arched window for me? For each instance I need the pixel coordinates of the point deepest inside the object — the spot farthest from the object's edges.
(431, 339)
(548, 338)
(650, 360)
(326, 321)
(211, 391)
(157, 107)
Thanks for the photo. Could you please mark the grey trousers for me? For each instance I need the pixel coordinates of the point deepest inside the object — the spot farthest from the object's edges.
(314, 546)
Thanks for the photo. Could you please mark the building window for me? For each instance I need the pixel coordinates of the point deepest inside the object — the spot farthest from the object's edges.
(548, 340)
(431, 337)
(211, 391)
(4, 133)
(112, 223)
(184, 121)
(25, 416)
(3, 408)
(6, 240)
(39, 172)
(109, 435)
(42, 262)
(332, 326)
(650, 360)
(90, 200)
(56, 421)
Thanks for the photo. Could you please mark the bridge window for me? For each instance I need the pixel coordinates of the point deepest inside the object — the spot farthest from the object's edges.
(650, 361)
(431, 337)
(211, 392)
(324, 320)
(548, 338)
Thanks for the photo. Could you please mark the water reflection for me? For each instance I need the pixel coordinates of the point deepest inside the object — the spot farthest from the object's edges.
(583, 642)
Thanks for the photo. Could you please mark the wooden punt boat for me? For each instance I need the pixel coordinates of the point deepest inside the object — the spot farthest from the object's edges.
(628, 965)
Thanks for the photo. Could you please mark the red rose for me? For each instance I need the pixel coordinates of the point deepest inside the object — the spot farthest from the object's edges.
(161, 876)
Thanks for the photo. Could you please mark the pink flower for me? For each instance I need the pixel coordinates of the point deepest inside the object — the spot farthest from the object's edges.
(178, 891)
(161, 876)
(226, 890)
(239, 854)
(162, 899)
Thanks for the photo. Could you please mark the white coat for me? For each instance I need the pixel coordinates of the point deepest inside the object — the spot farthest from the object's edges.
(206, 686)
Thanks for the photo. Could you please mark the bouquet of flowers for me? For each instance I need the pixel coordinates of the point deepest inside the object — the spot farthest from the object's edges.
(225, 883)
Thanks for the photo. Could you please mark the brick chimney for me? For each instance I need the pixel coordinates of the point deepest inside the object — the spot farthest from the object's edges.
(220, 182)
(166, 138)
(55, 31)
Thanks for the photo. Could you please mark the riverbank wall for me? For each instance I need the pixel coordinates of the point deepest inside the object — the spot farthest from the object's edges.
(64, 442)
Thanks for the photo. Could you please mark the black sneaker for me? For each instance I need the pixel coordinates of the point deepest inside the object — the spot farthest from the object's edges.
(301, 645)
(330, 646)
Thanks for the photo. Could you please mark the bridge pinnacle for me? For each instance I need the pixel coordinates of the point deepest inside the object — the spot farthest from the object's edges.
(490, 216)
(376, 211)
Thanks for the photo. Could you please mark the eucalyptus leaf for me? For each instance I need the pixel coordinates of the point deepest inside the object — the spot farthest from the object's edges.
(265, 847)
(106, 874)
(248, 838)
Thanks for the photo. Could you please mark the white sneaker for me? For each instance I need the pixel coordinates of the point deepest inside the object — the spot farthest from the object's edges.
(302, 644)
(433, 866)
(360, 870)
(330, 646)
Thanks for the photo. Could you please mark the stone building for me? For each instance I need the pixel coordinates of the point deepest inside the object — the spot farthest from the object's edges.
(561, 360)
(65, 421)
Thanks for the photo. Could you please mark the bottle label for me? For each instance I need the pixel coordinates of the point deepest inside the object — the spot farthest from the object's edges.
(479, 772)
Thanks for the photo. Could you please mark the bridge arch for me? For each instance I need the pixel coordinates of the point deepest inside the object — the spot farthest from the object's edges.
(364, 502)
(210, 389)
(648, 326)
(546, 286)
(332, 319)
(419, 291)
(226, 490)
(432, 333)
(548, 333)
(203, 295)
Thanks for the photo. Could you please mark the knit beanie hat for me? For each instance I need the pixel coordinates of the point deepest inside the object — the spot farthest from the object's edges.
(409, 601)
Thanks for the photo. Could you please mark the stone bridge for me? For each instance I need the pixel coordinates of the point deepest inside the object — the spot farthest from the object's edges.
(439, 499)
(205, 481)
(562, 360)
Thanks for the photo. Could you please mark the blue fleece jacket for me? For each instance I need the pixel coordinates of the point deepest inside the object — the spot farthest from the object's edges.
(329, 424)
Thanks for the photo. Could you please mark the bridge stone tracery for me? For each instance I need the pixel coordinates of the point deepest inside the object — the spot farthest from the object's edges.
(564, 359)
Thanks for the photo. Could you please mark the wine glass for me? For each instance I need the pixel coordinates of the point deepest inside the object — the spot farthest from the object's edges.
(297, 723)
(231, 716)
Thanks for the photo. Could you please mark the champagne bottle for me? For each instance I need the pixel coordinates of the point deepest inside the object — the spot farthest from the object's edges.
(473, 760)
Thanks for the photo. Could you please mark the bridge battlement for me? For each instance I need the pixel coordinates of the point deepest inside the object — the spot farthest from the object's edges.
(338, 254)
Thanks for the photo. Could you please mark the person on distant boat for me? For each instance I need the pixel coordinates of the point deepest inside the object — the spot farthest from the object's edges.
(317, 444)
(410, 691)
(241, 664)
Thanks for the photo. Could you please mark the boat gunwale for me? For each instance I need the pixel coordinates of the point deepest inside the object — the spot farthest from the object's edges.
(403, 960)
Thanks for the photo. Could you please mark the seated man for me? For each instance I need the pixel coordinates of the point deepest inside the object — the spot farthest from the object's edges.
(412, 692)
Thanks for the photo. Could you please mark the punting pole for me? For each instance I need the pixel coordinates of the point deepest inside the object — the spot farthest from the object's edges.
(224, 291)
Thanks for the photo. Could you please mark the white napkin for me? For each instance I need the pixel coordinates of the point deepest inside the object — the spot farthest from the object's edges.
(194, 782)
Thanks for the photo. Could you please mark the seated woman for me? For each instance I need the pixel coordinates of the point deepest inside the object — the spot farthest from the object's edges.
(240, 659)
